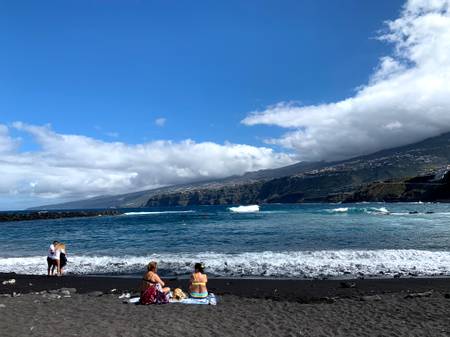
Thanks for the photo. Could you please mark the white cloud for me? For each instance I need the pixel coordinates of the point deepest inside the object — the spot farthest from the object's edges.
(7, 144)
(160, 121)
(406, 99)
(76, 166)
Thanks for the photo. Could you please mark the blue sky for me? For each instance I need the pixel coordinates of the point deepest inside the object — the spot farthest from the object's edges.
(108, 69)
(107, 97)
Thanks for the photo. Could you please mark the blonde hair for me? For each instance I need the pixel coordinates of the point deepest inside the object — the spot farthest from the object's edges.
(61, 246)
(152, 266)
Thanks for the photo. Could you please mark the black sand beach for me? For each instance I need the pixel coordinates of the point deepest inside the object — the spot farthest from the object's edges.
(370, 307)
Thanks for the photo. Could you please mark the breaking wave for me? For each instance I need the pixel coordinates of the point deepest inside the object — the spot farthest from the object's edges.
(366, 210)
(161, 212)
(309, 264)
(245, 209)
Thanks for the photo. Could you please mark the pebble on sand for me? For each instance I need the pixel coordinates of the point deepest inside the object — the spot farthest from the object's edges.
(10, 282)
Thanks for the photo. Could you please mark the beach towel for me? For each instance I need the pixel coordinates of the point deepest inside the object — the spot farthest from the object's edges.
(210, 300)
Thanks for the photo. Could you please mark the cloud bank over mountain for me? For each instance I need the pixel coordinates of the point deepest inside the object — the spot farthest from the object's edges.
(76, 166)
(406, 99)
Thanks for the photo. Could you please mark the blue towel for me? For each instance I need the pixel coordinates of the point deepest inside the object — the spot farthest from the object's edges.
(211, 300)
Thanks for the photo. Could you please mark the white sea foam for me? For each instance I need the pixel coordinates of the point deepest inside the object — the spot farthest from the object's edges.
(245, 209)
(367, 210)
(340, 210)
(161, 212)
(329, 263)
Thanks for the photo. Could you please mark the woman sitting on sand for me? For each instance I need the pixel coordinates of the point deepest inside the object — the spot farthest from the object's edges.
(152, 289)
(197, 286)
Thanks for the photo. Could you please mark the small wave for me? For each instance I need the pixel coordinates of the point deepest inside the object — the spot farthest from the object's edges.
(245, 209)
(310, 264)
(340, 210)
(153, 213)
(356, 210)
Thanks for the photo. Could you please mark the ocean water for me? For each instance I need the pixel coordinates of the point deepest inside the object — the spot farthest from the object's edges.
(300, 241)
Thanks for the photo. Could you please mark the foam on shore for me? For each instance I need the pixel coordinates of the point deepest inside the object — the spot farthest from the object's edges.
(310, 264)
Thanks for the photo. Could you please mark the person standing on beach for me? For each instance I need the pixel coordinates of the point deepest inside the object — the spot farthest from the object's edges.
(51, 258)
(61, 259)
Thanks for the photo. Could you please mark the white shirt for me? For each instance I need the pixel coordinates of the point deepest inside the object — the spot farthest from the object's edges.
(51, 252)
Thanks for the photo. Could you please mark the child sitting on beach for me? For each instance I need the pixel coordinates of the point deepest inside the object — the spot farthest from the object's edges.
(153, 290)
(197, 286)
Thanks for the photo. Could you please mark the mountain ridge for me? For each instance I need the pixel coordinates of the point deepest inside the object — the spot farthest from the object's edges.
(300, 182)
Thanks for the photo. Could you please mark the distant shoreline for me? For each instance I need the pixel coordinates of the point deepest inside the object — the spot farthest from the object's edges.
(33, 214)
(47, 215)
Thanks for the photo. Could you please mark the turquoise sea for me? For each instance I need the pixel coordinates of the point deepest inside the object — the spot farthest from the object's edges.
(307, 240)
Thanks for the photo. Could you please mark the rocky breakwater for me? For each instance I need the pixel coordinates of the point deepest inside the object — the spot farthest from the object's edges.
(44, 215)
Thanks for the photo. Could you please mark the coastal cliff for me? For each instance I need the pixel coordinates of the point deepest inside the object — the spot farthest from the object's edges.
(409, 173)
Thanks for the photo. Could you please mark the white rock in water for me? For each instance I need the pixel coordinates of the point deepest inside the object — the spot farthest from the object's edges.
(2, 306)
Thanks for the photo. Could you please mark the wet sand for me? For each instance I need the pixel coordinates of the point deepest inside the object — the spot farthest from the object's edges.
(387, 307)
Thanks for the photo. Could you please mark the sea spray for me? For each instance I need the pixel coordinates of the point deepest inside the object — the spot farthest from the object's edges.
(309, 264)
(245, 209)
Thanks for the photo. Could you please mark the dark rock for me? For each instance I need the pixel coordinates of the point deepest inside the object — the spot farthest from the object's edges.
(42, 215)
(328, 300)
(418, 295)
(348, 284)
(447, 295)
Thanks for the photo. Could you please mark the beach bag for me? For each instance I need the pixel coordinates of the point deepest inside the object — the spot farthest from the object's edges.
(154, 295)
(178, 294)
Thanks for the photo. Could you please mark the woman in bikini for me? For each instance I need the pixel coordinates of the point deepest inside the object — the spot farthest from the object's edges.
(153, 290)
(197, 286)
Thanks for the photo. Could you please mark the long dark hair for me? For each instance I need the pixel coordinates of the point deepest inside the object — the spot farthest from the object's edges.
(199, 267)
